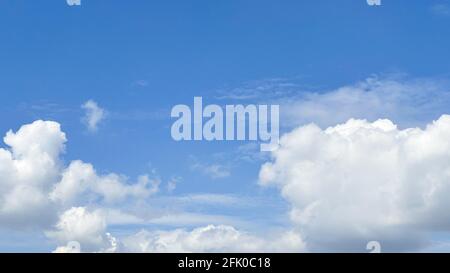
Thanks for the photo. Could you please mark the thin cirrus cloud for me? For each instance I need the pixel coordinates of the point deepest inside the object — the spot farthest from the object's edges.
(442, 9)
(211, 170)
(409, 102)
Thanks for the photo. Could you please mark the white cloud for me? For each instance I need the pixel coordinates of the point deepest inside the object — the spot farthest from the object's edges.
(27, 171)
(93, 116)
(73, 2)
(253, 90)
(215, 170)
(71, 247)
(141, 83)
(86, 228)
(361, 181)
(211, 199)
(210, 238)
(36, 187)
(191, 219)
(80, 179)
(409, 102)
(212, 170)
(118, 216)
(346, 185)
(37, 190)
(172, 183)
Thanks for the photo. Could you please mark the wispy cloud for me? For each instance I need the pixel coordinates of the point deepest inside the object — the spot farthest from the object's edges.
(173, 182)
(408, 102)
(212, 199)
(441, 9)
(94, 114)
(194, 219)
(73, 2)
(259, 89)
(212, 170)
(140, 83)
(139, 115)
(45, 109)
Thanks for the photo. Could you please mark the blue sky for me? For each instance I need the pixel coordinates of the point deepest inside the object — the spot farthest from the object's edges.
(138, 59)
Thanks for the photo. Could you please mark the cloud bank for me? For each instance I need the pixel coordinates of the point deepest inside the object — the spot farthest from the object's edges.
(74, 203)
(347, 184)
(211, 238)
(361, 181)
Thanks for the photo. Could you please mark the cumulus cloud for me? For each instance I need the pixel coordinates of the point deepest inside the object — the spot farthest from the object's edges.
(71, 247)
(37, 189)
(94, 114)
(88, 229)
(362, 181)
(74, 203)
(80, 179)
(84, 227)
(210, 238)
(27, 170)
(347, 184)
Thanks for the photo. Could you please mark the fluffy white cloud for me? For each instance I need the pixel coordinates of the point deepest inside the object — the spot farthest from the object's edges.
(362, 181)
(38, 191)
(71, 247)
(347, 185)
(81, 180)
(87, 228)
(210, 238)
(88, 231)
(94, 115)
(27, 171)
(35, 186)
